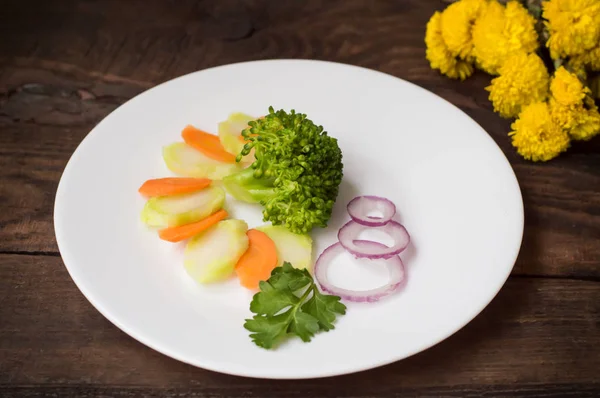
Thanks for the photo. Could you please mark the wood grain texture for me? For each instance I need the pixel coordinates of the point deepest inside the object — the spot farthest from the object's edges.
(468, 391)
(537, 335)
(64, 65)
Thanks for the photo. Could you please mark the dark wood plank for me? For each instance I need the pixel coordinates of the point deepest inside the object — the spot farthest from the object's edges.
(45, 113)
(469, 391)
(537, 332)
(158, 40)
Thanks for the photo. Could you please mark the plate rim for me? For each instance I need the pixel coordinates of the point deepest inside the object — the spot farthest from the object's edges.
(216, 367)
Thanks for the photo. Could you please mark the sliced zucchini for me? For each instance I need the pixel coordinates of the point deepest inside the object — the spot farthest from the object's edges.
(293, 248)
(186, 161)
(175, 210)
(212, 255)
(230, 132)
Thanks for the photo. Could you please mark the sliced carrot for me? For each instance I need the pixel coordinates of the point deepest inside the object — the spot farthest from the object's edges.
(173, 186)
(182, 232)
(208, 144)
(258, 261)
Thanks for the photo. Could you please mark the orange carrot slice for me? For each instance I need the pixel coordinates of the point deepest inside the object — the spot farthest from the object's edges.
(173, 186)
(182, 232)
(208, 144)
(258, 261)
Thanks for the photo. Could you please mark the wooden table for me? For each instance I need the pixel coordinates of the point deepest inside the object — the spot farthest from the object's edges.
(66, 64)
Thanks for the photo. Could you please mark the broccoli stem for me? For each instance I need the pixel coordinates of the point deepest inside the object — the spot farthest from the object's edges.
(246, 187)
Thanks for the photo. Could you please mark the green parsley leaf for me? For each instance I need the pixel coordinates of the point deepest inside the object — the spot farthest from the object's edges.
(289, 278)
(324, 307)
(289, 303)
(268, 330)
(304, 325)
(272, 301)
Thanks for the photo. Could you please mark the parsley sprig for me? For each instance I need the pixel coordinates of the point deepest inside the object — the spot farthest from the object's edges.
(289, 303)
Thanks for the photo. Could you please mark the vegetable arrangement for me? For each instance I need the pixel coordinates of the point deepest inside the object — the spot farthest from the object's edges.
(292, 168)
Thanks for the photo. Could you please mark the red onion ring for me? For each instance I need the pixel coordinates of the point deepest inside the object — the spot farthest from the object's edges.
(394, 265)
(348, 234)
(359, 209)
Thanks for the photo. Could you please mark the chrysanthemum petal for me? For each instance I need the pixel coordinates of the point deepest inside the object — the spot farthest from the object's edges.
(574, 26)
(523, 79)
(457, 25)
(536, 136)
(500, 32)
(439, 56)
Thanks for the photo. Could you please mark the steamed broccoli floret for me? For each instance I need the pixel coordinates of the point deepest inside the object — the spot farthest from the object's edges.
(296, 173)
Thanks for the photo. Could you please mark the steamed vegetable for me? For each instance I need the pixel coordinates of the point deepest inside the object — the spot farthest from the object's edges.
(230, 133)
(243, 186)
(296, 173)
(208, 144)
(171, 211)
(186, 161)
(259, 260)
(211, 256)
(291, 247)
(172, 186)
(289, 303)
(183, 232)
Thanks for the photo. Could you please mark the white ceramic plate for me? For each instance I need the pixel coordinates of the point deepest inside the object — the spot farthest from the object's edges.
(454, 190)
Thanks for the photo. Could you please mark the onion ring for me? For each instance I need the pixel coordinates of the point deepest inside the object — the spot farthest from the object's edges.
(348, 234)
(394, 265)
(359, 209)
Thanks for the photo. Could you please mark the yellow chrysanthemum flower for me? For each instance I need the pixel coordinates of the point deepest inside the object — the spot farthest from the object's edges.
(438, 54)
(457, 24)
(566, 88)
(535, 134)
(589, 59)
(500, 32)
(574, 26)
(523, 79)
(580, 121)
(571, 107)
(566, 116)
(588, 126)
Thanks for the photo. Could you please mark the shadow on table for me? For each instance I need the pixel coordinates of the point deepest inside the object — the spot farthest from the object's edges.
(591, 146)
